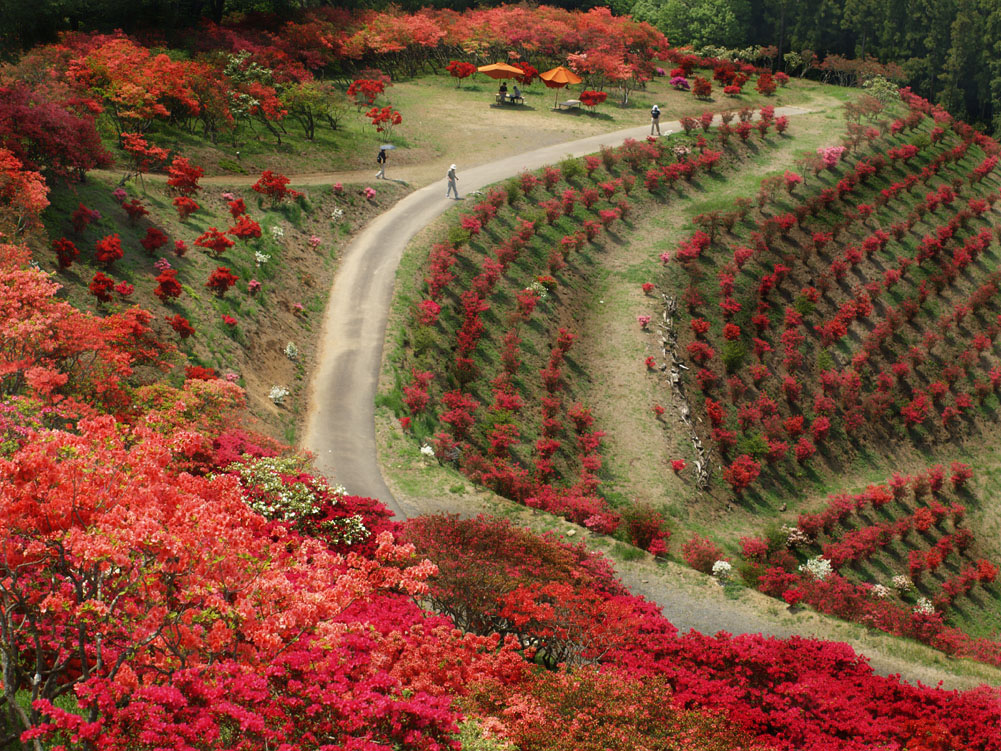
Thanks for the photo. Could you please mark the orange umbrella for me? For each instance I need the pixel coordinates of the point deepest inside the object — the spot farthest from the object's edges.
(559, 77)
(500, 70)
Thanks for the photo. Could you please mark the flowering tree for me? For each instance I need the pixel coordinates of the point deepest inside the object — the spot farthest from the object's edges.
(459, 70)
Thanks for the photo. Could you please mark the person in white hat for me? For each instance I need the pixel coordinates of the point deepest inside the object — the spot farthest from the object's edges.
(452, 186)
(655, 119)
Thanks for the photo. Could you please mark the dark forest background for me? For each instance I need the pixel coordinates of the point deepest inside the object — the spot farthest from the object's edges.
(950, 50)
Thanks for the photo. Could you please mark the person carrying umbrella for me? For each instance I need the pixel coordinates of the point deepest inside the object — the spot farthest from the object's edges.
(452, 183)
(381, 159)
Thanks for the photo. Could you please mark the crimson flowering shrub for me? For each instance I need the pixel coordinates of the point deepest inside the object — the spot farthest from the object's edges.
(384, 119)
(244, 229)
(367, 89)
(214, 241)
(183, 176)
(167, 286)
(135, 210)
(592, 98)
(701, 553)
(645, 527)
(274, 186)
(101, 286)
(220, 280)
(83, 216)
(154, 240)
(185, 206)
(181, 325)
(459, 69)
(108, 250)
(66, 252)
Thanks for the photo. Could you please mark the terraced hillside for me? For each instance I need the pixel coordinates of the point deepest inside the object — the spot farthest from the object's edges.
(834, 323)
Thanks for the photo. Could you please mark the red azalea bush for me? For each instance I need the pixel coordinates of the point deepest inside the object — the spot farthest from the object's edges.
(185, 207)
(154, 240)
(220, 280)
(66, 252)
(274, 186)
(592, 98)
(167, 286)
(135, 210)
(183, 176)
(460, 69)
(101, 286)
(215, 241)
(108, 250)
(701, 553)
(181, 325)
(244, 229)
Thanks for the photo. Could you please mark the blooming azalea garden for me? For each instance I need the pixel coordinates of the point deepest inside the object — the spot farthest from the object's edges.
(768, 362)
(172, 577)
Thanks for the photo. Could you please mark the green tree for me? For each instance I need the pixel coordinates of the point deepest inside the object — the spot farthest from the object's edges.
(964, 84)
(698, 22)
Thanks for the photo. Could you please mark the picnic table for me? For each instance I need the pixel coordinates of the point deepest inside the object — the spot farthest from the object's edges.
(509, 99)
(568, 104)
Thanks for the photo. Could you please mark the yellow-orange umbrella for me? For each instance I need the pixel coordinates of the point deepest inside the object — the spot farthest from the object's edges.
(500, 70)
(559, 77)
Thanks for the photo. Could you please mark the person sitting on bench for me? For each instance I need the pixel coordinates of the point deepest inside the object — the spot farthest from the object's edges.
(502, 92)
(517, 94)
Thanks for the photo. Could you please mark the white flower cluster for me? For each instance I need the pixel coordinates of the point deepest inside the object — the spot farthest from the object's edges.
(924, 607)
(540, 289)
(819, 568)
(879, 591)
(261, 258)
(278, 394)
(348, 530)
(722, 570)
(277, 232)
(795, 536)
(427, 451)
(270, 494)
(270, 491)
(291, 351)
(902, 583)
(337, 214)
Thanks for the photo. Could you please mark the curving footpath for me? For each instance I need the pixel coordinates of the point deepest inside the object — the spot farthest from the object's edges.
(340, 421)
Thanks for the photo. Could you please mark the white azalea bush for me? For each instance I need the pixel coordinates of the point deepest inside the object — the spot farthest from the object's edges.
(722, 571)
(902, 583)
(819, 568)
(281, 489)
(879, 591)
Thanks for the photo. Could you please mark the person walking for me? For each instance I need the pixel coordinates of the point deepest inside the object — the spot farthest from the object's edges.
(381, 159)
(655, 120)
(452, 180)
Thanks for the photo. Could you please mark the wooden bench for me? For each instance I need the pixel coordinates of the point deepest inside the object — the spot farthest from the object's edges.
(568, 104)
(509, 99)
